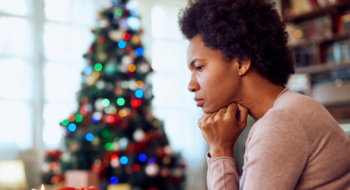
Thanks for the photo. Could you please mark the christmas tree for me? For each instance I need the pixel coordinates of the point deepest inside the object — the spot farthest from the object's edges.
(114, 133)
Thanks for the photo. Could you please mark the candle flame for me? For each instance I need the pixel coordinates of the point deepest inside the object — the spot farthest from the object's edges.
(42, 187)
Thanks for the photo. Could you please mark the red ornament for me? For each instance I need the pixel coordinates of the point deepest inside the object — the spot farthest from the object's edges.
(126, 36)
(83, 110)
(153, 188)
(101, 39)
(136, 167)
(91, 49)
(130, 74)
(117, 91)
(109, 119)
(176, 180)
(54, 154)
(135, 103)
(71, 118)
(128, 49)
(128, 170)
(114, 156)
(160, 152)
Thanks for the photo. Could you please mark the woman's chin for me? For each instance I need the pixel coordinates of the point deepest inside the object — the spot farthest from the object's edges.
(207, 110)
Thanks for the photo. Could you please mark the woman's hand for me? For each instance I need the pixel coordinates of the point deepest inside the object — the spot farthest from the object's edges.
(222, 129)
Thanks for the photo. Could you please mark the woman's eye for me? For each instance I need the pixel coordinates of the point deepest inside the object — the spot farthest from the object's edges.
(199, 68)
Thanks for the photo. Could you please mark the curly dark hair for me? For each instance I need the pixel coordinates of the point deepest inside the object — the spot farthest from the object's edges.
(243, 29)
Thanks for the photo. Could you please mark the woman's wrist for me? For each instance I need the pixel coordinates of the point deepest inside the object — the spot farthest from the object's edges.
(221, 152)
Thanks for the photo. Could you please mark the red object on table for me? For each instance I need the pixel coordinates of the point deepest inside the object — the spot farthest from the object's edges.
(81, 188)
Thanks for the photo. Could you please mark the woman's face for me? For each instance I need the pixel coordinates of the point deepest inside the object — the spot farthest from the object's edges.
(215, 82)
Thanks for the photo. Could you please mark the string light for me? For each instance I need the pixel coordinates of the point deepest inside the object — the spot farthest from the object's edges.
(98, 66)
(122, 44)
(96, 117)
(136, 167)
(72, 127)
(122, 113)
(65, 122)
(139, 51)
(139, 93)
(108, 146)
(123, 23)
(78, 118)
(105, 102)
(139, 84)
(114, 180)
(121, 101)
(89, 137)
(117, 91)
(132, 68)
(298, 33)
(124, 160)
(88, 70)
(105, 133)
(150, 161)
(114, 157)
(135, 103)
(126, 36)
(118, 12)
(71, 118)
(142, 157)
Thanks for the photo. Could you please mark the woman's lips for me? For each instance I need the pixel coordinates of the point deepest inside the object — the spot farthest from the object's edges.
(199, 102)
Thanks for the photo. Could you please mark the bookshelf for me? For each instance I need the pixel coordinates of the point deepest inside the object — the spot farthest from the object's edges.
(318, 56)
(313, 69)
(328, 10)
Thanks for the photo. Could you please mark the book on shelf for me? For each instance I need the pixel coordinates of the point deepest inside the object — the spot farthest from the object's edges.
(343, 23)
(338, 52)
(298, 7)
(310, 31)
(301, 6)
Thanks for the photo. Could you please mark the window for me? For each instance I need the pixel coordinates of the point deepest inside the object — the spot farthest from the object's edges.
(41, 48)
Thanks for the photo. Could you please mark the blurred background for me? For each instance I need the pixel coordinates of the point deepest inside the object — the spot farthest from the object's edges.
(42, 43)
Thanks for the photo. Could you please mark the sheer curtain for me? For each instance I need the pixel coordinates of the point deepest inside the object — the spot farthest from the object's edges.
(173, 103)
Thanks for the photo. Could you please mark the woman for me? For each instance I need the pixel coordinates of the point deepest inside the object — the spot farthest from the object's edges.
(240, 62)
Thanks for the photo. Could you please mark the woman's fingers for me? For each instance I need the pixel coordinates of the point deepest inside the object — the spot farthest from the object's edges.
(232, 110)
(242, 114)
(222, 112)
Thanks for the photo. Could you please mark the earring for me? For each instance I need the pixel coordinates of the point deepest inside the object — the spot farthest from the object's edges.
(240, 73)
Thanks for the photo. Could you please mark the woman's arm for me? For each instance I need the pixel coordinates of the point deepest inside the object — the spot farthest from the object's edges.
(221, 130)
(276, 151)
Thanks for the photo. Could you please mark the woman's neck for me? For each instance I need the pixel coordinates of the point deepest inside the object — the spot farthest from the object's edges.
(259, 97)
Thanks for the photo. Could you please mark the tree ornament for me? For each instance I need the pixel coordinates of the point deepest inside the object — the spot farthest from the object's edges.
(135, 39)
(152, 170)
(132, 85)
(116, 35)
(139, 135)
(142, 68)
(74, 146)
(110, 68)
(168, 150)
(164, 172)
(98, 104)
(127, 59)
(100, 84)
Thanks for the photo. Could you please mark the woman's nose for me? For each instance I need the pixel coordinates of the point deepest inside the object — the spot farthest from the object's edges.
(193, 86)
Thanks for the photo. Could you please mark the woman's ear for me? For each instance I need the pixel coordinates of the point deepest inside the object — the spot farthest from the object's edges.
(244, 66)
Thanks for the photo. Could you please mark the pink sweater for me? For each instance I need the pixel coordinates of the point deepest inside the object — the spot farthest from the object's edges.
(297, 144)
